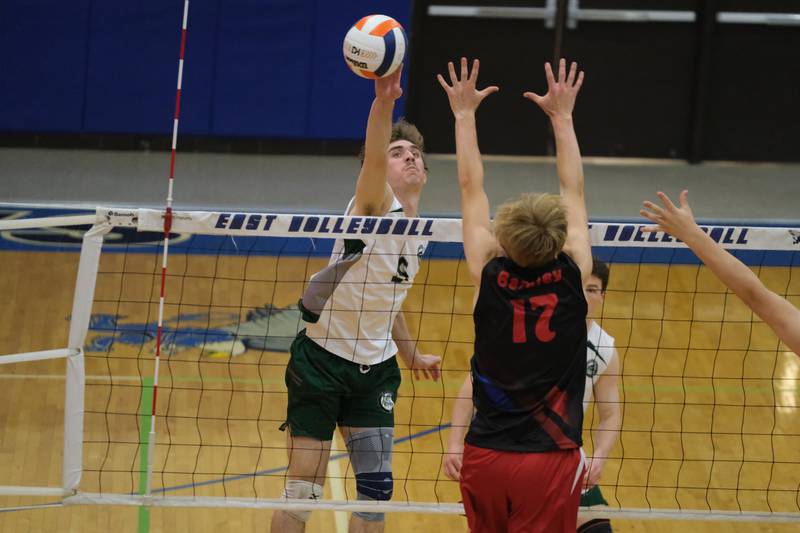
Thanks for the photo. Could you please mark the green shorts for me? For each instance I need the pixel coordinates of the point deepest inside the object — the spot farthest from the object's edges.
(592, 497)
(326, 390)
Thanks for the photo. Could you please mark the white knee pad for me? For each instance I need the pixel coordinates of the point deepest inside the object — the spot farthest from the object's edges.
(299, 489)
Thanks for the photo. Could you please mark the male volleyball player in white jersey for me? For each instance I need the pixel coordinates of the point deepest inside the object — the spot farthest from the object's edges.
(342, 369)
(777, 312)
(602, 370)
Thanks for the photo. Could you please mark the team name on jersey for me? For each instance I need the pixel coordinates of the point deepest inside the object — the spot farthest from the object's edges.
(508, 281)
(328, 224)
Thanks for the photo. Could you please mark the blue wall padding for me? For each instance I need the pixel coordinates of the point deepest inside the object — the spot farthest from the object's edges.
(264, 68)
(133, 58)
(340, 100)
(254, 68)
(42, 64)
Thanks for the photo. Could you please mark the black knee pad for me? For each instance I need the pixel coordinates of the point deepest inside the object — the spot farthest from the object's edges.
(598, 525)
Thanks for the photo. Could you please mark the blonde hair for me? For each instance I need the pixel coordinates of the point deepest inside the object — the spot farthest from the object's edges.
(532, 228)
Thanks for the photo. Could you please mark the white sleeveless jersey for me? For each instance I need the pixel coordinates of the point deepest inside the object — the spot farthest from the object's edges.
(368, 290)
(599, 352)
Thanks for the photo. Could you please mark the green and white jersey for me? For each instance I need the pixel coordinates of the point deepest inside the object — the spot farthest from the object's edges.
(352, 303)
(599, 351)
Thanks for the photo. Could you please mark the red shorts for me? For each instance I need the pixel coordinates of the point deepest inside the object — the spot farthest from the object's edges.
(519, 492)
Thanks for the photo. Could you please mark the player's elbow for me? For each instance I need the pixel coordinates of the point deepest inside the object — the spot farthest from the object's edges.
(468, 182)
(610, 412)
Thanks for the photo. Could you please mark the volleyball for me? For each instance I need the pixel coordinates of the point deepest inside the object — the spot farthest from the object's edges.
(375, 46)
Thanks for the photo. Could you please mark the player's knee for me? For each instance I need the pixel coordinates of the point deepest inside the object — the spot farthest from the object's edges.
(370, 517)
(371, 457)
(598, 525)
(375, 486)
(298, 489)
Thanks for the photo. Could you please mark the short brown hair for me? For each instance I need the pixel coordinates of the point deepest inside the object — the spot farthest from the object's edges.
(601, 271)
(532, 228)
(403, 130)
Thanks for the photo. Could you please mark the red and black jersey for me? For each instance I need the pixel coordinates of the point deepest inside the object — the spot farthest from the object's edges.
(529, 366)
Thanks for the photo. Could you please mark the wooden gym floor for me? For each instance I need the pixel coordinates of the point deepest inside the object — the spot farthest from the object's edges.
(710, 399)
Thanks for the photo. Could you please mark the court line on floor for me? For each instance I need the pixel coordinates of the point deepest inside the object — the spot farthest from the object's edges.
(271, 471)
(278, 470)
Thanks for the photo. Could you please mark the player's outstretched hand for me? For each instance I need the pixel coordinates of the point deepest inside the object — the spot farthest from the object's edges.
(561, 93)
(462, 91)
(452, 464)
(426, 366)
(388, 88)
(677, 221)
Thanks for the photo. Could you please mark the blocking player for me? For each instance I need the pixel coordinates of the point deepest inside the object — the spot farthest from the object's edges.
(602, 371)
(530, 325)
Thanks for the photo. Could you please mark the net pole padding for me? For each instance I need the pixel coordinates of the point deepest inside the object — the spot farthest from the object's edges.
(75, 378)
(36, 356)
(48, 222)
(12, 490)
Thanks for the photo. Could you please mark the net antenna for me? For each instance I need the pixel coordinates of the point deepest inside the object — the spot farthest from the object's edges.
(167, 227)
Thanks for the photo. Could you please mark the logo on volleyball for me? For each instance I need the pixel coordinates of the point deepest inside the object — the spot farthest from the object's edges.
(591, 368)
(387, 402)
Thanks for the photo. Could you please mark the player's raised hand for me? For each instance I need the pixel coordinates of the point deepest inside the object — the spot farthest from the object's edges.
(388, 88)
(559, 100)
(462, 90)
(677, 221)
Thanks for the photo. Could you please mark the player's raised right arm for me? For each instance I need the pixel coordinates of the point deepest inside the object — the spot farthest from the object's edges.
(373, 195)
(779, 314)
(479, 242)
(558, 104)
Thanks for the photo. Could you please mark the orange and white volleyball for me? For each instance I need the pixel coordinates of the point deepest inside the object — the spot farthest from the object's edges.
(375, 46)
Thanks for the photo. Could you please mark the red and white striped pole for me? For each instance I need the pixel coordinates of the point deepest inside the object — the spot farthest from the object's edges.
(167, 228)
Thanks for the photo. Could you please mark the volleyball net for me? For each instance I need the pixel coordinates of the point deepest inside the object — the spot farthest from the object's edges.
(708, 395)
